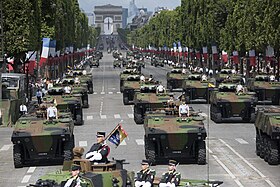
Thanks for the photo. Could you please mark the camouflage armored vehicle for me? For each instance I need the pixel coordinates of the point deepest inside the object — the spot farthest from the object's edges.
(98, 55)
(267, 126)
(226, 103)
(196, 90)
(126, 61)
(65, 103)
(105, 175)
(147, 100)
(117, 63)
(157, 62)
(131, 84)
(141, 63)
(37, 141)
(171, 137)
(227, 74)
(175, 78)
(94, 63)
(13, 94)
(125, 73)
(84, 79)
(266, 91)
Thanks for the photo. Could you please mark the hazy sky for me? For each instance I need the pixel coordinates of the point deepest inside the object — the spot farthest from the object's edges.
(88, 5)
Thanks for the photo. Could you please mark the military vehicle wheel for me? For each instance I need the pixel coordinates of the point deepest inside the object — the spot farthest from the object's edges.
(258, 145)
(170, 87)
(150, 151)
(68, 147)
(273, 153)
(90, 90)
(201, 153)
(262, 147)
(138, 118)
(253, 118)
(17, 157)
(266, 151)
(125, 101)
(218, 118)
(79, 119)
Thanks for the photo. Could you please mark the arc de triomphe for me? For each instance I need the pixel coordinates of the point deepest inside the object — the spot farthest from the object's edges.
(108, 18)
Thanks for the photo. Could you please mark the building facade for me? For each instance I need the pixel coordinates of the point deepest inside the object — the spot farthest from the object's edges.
(109, 18)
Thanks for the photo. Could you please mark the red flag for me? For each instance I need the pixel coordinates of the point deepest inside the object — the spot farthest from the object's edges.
(205, 52)
(235, 57)
(224, 56)
(252, 57)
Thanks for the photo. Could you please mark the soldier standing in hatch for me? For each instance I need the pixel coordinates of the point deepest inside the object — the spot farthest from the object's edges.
(99, 151)
(75, 180)
(171, 178)
(145, 177)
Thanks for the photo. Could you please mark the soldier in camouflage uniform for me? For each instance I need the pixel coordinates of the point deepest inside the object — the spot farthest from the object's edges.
(145, 177)
(172, 177)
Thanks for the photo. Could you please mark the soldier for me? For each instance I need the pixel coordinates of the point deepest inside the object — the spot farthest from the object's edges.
(239, 89)
(52, 112)
(184, 110)
(204, 77)
(145, 177)
(67, 89)
(99, 151)
(39, 95)
(74, 180)
(23, 109)
(172, 177)
(160, 88)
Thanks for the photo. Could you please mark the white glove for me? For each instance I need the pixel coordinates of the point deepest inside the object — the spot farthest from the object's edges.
(147, 184)
(139, 183)
(96, 156)
(90, 154)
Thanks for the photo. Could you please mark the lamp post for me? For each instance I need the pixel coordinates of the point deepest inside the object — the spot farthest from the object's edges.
(2, 56)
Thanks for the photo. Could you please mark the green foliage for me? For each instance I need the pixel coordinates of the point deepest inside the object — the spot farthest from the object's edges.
(231, 24)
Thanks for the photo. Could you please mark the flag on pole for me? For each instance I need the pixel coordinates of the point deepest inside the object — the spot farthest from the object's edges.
(117, 135)
(197, 53)
(215, 53)
(180, 48)
(45, 51)
(52, 48)
(31, 57)
(252, 57)
(269, 52)
(235, 57)
(224, 56)
(205, 52)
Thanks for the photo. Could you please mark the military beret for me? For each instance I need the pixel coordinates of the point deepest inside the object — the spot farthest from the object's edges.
(100, 133)
(146, 162)
(172, 162)
(75, 167)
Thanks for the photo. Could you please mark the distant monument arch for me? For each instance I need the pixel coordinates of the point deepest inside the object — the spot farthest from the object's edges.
(108, 18)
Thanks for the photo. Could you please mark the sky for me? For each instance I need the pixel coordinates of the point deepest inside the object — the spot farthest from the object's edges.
(88, 5)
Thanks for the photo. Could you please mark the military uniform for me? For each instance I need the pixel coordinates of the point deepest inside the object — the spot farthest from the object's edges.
(171, 178)
(145, 177)
(74, 180)
(99, 152)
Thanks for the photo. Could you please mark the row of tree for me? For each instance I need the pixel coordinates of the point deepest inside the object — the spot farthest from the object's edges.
(231, 25)
(26, 22)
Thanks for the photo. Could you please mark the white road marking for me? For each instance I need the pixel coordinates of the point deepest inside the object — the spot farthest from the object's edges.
(31, 170)
(117, 116)
(118, 92)
(123, 143)
(83, 143)
(6, 147)
(249, 164)
(103, 116)
(139, 141)
(110, 92)
(241, 141)
(102, 93)
(89, 117)
(130, 115)
(26, 178)
(95, 93)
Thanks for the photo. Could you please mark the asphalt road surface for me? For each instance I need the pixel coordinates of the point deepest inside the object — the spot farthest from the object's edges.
(230, 146)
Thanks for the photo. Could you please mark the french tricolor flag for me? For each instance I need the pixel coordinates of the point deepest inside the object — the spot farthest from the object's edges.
(180, 48)
(45, 51)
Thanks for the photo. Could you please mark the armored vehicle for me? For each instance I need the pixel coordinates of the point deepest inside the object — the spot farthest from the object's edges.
(101, 175)
(175, 78)
(157, 62)
(266, 90)
(13, 94)
(227, 74)
(170, 137)
(37, 141)
(126, 73)
(65, 103)
(226, 103)
(98, 55)
(131, 84)
(94, 63)
(117, 63)
(126, 61)
(84, 79)
(147, 100)
(141, 63)
(197, 90)
(111, 174)
(267, 126)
